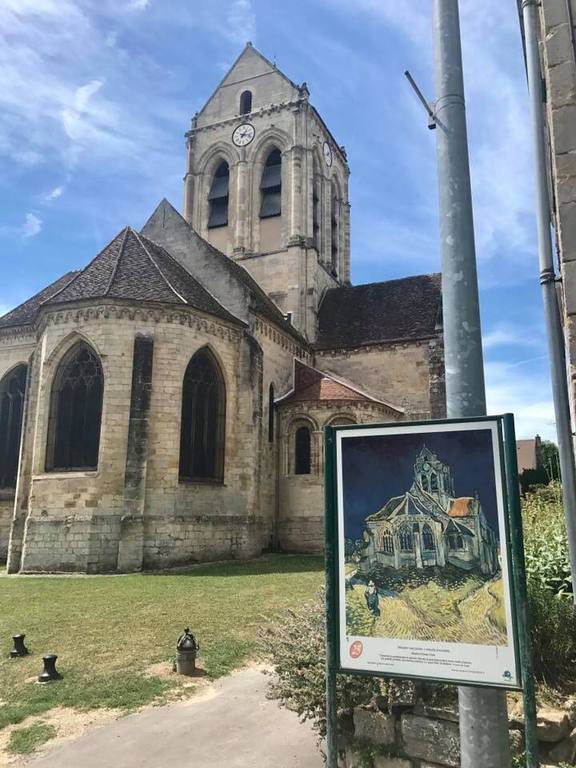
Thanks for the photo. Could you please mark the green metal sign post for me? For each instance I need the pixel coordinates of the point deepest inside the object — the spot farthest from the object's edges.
(516, 648)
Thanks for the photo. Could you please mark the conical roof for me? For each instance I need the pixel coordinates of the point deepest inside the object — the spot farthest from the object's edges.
(134, 268)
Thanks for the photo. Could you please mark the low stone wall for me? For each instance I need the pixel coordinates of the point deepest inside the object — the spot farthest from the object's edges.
(422, 737)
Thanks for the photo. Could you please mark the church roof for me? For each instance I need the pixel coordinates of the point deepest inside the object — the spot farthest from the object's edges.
(133, 267)
(167, 222)
(396, 310)
(311, 384)
(463, 507)
(26, 313)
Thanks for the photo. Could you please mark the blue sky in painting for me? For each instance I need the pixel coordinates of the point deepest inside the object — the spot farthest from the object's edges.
(367, 488)
(95, 97)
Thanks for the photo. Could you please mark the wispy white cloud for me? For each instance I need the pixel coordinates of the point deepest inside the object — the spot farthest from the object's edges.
(240, 21)
(512, 388)
(54, 194)
(503, 335)
(32, 225)
(138, 5)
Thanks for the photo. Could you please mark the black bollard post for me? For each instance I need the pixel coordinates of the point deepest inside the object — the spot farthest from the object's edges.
(50, 672)
(19, 647)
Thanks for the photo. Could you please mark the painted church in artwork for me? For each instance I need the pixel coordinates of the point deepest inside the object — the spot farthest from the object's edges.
(164, 403)
(429, 526)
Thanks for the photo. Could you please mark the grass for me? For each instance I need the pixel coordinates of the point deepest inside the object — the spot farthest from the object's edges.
(107, 630)
(23, 741)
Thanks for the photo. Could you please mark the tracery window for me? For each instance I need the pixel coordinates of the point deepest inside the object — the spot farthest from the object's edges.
(218, 197)
(427, 538)
(302, 451)
(388, 543)
(76, 411)
(456, 541)
(271, 186)
(203, 423)
(245, 102)
(12, 390)
(424, 481)
(433, 482)
(405, 538)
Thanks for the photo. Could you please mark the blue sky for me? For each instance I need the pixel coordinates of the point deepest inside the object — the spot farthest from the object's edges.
(95, 98)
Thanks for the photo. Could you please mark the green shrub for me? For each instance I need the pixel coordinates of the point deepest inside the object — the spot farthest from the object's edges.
(553, 624)
(295, 644)
(545, 542)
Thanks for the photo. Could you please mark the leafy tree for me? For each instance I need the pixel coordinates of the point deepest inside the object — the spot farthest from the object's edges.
(548, 459)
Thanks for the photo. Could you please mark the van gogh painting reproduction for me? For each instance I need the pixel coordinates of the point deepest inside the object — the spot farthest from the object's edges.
(422, 541)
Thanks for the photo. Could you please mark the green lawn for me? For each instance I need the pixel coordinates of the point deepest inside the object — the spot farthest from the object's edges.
(107, 630)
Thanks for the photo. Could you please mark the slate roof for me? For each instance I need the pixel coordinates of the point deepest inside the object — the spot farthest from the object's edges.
(310, 384)
(134, 268)
(354, 316)
(26, 313)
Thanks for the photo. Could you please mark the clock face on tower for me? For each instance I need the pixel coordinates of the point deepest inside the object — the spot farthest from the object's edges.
(327, 151)
(243, 134)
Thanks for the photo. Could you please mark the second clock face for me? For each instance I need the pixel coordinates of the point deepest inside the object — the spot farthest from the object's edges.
(326, 149)
(243, 134)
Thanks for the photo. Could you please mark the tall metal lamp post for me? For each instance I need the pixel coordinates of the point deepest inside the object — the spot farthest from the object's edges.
(483, 716)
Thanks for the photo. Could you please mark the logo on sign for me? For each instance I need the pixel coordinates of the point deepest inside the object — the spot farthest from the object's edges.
(356, 649)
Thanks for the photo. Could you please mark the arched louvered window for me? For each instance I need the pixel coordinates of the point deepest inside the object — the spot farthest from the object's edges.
(334, 216)
(203, 424)
(218, 197)
(245, 102)
(302, 452)
(271, 186)
(12, 390)
(388, 543)
(405, 539)
(271, 413)
(76, 411)
(427, 538)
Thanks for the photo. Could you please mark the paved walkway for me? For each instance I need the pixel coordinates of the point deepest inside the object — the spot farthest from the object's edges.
(237, 727)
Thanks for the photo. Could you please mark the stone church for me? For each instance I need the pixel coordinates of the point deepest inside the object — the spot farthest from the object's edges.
(165, 403)
(428, 526)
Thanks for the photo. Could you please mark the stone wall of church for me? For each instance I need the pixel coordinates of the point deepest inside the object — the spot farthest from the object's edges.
(409, 375)
(301, 510)
(279, 351)
(77, 521)
(15, 349)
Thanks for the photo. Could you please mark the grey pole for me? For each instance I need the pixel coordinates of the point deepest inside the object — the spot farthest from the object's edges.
(483, 717)
(547, 280)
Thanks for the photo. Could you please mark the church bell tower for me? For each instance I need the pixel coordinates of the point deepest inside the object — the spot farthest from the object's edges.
(267, 184)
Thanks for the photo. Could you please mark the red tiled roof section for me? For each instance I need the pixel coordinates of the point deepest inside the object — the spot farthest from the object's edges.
(463, 507)
(311, 384)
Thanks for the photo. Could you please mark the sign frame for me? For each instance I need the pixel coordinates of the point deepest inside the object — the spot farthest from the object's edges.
(513, 543)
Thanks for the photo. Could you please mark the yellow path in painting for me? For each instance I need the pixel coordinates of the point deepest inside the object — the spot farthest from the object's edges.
(432, 613)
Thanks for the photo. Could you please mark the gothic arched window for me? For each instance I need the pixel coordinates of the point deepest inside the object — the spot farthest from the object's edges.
(12, 389)
(334, 230)
(203, 424)
(433, 482)
(218, 197)
(424, 481)
(405, 538)
(271, 413)
(76, 411)
(387, 543)
(271, 186)
(245, 102)
(427, 538)
(302, 452)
